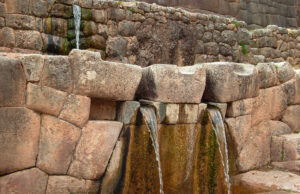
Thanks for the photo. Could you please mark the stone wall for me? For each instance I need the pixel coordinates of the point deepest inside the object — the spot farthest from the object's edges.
(140, 33)
(64, 119)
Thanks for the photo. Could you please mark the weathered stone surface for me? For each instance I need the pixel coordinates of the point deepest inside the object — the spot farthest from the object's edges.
(201, 110)
(241, 81)
(172, 84)
(57, 73)
(222, 107)
(116, 46)
(57, 144)
(292, 117)
(19, 135)
(270, 104)
(27, 181)
(296, 98)
(67, 184)
(76, 110)
(126, 28)
(39, 7)
(127, 112)
(103, 109)
(45, 99)
(22, 22)
(55, 44)
(114, 169)
(270, 180)
(267, 74)
(7, 37)
(17, 6)
(160, 109)
(285, 71)
(94, 149)
(12, 82)
(99, 15)
(172, 114)
(29, 40)
(107, 80)
(240, 107)
(55, 26)
(188, 113)
(288, 165)
(33, 65)
(61, 11)
(96, 42)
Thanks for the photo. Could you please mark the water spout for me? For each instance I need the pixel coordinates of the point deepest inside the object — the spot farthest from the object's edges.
(149, 117)
(219, 129)
(77, 18)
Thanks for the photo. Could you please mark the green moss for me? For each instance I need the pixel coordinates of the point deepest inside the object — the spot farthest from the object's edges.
(86, 14)
(296, 132)
(120, 2)
(282, 156)
(244, 49)
(212, 171)
(131, 10)
(236, 24)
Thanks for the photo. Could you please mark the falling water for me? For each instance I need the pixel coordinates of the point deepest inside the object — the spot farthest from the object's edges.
(77, 17)
(219, 129)
(149, 117)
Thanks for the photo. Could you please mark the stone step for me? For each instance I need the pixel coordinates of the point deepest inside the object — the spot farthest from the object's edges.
(285, 147)
(258, 181)
(293, 165)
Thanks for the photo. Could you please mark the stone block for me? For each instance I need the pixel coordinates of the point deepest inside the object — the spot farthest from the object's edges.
(114, 169)
(2, 9)
(12, 82)
(264, 105)
(55, 26)
(126, 28)
(239, 108)
(68, 184)
(291, 117)
(96, 42)
(45, 99)
(39, 8)
(17, 6)
(61, 11)
(229, 37)
(22, 22)
(116, 46)
(201, 110)
(172, 114)
(19, 134)
(285, 71)
(57, 144)
(89, 28)
(33, 65)
(2, 24)
(211, 48)
(266, 42)
(27, 181)
(57, 73)
(29, 40)
(127, 112)
(287, 147)
(94, 149)
(288, 165)
(226, 81)
(277, 153)
(7, 37)
(160, 109)
(99, 16)
(172, 84)
(296, 99)
(103, 109)
(188, 113)
(76, 110)
(222, 107)
(55, 44)
(96, 78)
(267, 75)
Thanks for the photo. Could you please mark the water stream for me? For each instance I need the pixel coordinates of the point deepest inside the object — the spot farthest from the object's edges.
(149, 117)
(219, 129)
(77, 18)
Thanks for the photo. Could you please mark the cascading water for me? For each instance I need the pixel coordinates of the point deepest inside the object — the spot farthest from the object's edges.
(77, 18)
(219, 129)
(149, 117)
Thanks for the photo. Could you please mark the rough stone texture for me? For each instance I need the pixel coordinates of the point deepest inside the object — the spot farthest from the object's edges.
(172, 84)
(29, 40)
(202, 108)
(45, 99)
(57, 144)
(222, 107)
(67, 184)
(240, 107)
(114, 169)
(27, 181)
(270, 180)
(17, 6)
(160, 109)
(296, 98)
(285, 147)
(12, 82)
(270, 104)
(22, 22)
(188, 113)
(288, 165)
(102, 79)
(57, 73)
(7, 37)
(19, 137)
(127, 112)
(76, 110)
(292, 117)
(285, 71)
(172, 114)
(94, 149)
(33, 65)
(267, 74)
(103, 110)
(241, 81)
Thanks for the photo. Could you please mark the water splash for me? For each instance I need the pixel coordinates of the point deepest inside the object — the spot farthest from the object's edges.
(149, 117)
(219, 129)
(77, 18)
